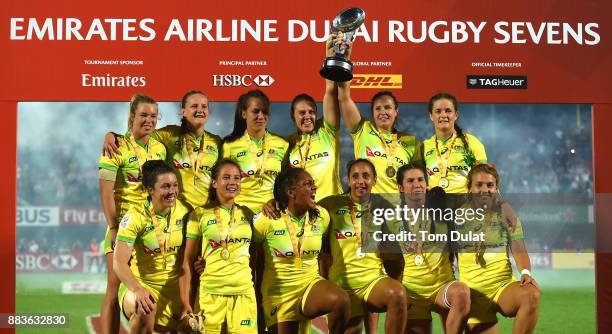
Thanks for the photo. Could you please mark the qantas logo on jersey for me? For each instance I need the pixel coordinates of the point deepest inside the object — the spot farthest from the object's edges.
(157, 250)
(432, 171)
(379, 154)
(132, 159)
(248, 173)
(312, 157)
(214, 243)
(284, 255)
(132, 178)
(185, 165)
(341, 235)
(238, 240)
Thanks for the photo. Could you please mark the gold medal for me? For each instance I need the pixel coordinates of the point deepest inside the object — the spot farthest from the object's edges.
(390, 171)
(419, 260)
(443, 183)
(297, 262)
(225, 254)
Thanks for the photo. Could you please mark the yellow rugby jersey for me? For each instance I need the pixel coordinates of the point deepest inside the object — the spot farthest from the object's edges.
(349, 271)
(321, 154)
(368, 145)
(223, 277)
(194, 184)
(457, 166)
(436, 270)
(493, 266)
(124, 169)
(136, 228)
(253, 194)
(280, 271)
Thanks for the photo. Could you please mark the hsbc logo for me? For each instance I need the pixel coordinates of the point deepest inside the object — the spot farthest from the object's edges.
(64, 262)
(236, 80)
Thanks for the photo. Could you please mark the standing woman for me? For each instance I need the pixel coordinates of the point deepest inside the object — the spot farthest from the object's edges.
(450, 152)
(120, 187)
(148, 243)
(259, 153)
(292, 287)
(222, 229)
(428, 274)
(484, 265)
(315, 146)
(363, 275)
(192, 151)
(379, 142)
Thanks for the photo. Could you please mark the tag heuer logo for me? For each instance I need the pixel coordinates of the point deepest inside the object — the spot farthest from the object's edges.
(473, 81)
(263, 80)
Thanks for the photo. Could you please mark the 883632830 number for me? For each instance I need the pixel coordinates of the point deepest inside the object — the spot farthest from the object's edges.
(17, 320)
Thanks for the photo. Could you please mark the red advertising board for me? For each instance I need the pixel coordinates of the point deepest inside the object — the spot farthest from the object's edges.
(550, 51)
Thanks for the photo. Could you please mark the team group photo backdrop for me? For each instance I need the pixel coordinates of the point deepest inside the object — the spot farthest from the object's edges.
(530, 79)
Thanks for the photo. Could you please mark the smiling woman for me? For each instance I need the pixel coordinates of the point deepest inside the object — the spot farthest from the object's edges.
(450, 153)
(120, 188)
(387, 148)
(146, 259)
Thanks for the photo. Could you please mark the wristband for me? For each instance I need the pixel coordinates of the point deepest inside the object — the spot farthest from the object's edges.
(526, 272)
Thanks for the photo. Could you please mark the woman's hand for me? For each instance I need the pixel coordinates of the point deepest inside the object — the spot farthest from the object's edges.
(110, 147)
(271, 209)
(144, 300)
(199, 265)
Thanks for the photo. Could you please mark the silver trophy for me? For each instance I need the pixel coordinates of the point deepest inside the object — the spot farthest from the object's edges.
(338, 68)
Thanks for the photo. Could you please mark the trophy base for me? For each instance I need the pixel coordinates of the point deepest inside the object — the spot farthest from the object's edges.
(337, 69)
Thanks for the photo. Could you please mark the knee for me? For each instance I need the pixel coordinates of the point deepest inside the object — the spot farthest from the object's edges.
(144, 320)
(531, 298)
(459, 298)
(396, 297)
(342, 301)
(339, 301)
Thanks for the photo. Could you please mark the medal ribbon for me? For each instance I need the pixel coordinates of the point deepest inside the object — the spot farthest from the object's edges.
(136, 148)
(356, 224)
(259, 162)
(305, 156)
(194, 160)
(231, 225)
(443, 163)
(389, 149)
(163, 242)
(295, 242)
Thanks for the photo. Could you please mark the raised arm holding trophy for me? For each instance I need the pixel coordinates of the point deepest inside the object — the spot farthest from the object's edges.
(338, 68)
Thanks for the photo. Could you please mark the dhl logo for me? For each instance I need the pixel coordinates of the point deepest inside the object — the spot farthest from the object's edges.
(389, 81)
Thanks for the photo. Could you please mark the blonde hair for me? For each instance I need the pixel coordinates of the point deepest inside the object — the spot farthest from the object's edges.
(136, 100)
